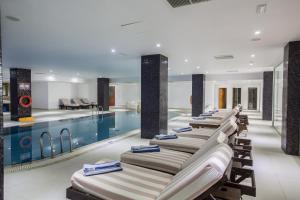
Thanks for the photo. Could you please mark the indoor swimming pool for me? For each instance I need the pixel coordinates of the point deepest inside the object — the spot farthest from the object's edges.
(22, 144)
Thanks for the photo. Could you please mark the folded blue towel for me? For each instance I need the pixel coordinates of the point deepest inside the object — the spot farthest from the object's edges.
(144, 149)
(198, 118)
(165, 137)
(206, 115)
(185, 129)
(101, 168)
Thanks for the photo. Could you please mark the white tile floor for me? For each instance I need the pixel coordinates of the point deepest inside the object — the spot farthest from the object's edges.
(277, 175)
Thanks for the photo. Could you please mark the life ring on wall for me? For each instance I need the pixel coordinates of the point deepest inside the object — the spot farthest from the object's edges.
(25, 142)
(25, 101)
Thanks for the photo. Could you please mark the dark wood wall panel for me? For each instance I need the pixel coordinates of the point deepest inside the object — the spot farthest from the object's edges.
(267, 95)
(154, 95)
(291, 99)
(198, 94)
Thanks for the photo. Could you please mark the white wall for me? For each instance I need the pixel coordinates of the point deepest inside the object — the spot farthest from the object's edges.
(46, 95)
(39, 92)
(127, 94)
(179, 94)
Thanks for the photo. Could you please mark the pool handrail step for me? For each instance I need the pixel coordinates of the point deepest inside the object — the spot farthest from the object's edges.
(61, 139)
(42, 144)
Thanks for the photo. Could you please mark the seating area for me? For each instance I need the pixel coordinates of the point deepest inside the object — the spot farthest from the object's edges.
(203, 163)
(76, 103)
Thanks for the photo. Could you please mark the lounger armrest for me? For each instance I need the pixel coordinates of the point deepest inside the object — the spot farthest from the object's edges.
(238, 175)
(244, 154)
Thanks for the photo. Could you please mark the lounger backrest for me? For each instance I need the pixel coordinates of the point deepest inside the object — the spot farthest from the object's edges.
(85, 100)
(212, 142)
(65, 102)
(199, 176)
(76, 101)
(229, 127)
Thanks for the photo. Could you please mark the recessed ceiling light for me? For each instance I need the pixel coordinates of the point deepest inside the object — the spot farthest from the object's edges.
(158, 45)
(51, 78)
(253, 56)
(113, 50)
(206, 72)
(74, 80)
(198, 67)
(186, 60)
(12, 18)
(51, 71)
(258, 32)
(251, 63)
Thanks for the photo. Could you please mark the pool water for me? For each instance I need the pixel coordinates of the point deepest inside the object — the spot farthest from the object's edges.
(22, 143)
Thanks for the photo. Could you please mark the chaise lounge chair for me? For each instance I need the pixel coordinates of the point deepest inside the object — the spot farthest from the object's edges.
(80, 103)
(66, 104)
(198, 180)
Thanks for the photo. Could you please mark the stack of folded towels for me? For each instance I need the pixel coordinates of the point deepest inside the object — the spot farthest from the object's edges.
(101, 168)
(205, 115)
(144, 149)
(184, 129)
(165, 137)
(198, 118)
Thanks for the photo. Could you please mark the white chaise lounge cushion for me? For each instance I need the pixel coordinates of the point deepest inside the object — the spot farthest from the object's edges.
(166, 160)
(199, 176)
(131, 183)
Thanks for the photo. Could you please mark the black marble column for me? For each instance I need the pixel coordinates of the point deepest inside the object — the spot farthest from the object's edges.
(154, 95)
(1, 123)
(20, 85)
(267, 96)
(103, 93)
(291, 99)
(198, 94)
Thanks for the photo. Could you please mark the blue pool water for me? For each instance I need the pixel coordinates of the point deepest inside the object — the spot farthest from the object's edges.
(22, 143)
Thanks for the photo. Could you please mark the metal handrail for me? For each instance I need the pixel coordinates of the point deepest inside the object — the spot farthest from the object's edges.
(61, 139)
(42, 144)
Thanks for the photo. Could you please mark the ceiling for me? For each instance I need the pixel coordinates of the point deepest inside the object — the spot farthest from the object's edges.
(75, 37)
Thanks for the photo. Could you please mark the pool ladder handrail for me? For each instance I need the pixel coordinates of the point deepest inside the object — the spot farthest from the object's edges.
(42, 144)
(61, 139)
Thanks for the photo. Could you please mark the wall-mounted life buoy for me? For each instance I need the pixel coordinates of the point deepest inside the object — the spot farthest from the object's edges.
(25, 101)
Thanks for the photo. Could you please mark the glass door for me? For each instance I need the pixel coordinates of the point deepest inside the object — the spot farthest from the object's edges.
(222, 98)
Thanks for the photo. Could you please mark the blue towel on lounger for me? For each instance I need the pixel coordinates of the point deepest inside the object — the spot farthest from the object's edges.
(165, 137)
(184, 129)
(206, 115)
(198, 118)
(101, 168)
(144, 149)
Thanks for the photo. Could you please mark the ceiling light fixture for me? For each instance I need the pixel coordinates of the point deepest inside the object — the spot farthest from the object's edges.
(261, 9)
(12, 18)
(51, 78)
(258, 32)
(186, 60)
(113, 50)
(158, 45)
(74, 80)
(253, 56)
(198, 67)
(51, 71)
(251, 63)
(206, 72)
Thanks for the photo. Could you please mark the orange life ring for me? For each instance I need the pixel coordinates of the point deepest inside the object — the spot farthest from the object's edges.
(25, 101)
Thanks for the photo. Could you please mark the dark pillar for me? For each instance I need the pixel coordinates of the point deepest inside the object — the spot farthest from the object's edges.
(267, 96)
(154, 95)
(103, 93)
(198, 92)
(1, 123)
(20, 86)
(291, 99)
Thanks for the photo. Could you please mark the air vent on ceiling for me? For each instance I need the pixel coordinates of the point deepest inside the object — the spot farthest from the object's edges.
(233, 71)
(179, 3)
(224, 57)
